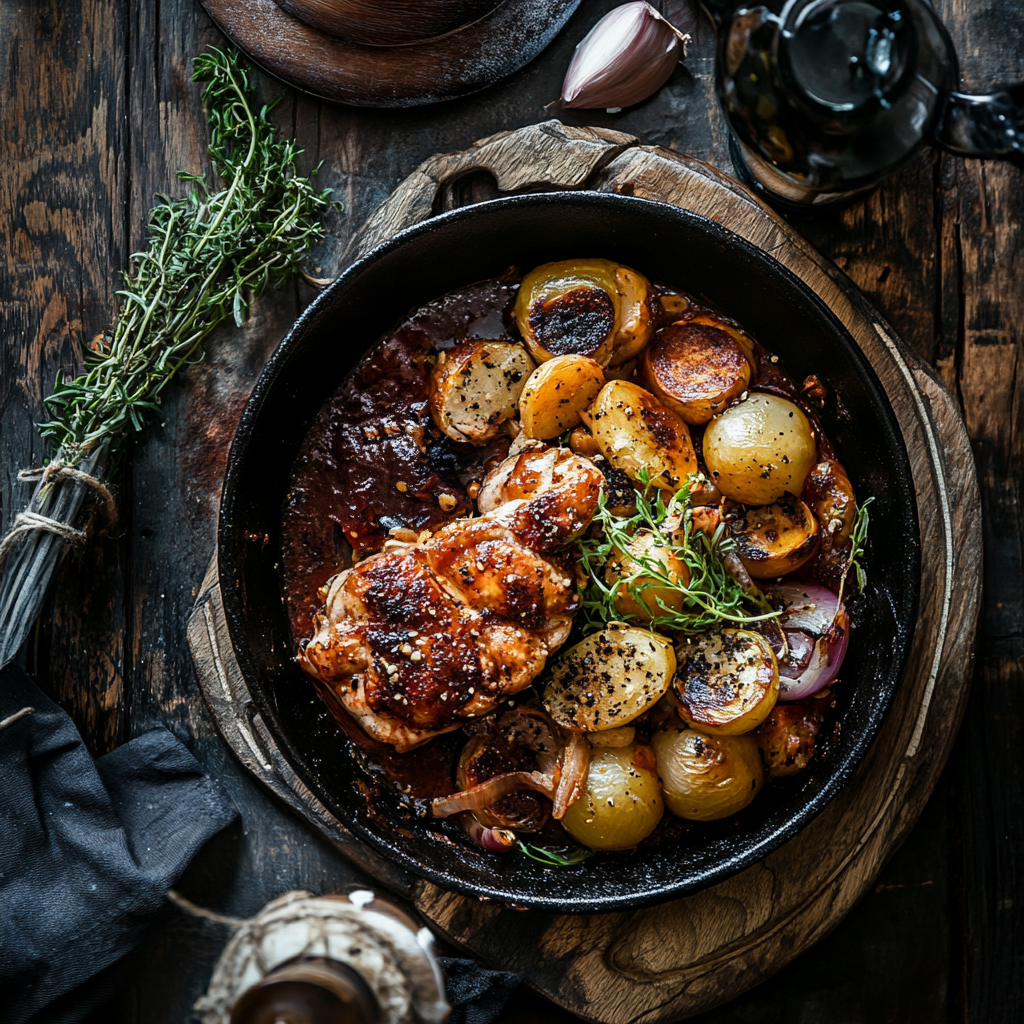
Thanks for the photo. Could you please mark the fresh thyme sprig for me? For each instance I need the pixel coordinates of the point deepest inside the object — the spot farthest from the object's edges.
(711, 598)
(858, 540)
(552, 858)
(207, 254)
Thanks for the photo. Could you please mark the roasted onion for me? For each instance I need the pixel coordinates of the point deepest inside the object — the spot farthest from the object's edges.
(817, 631)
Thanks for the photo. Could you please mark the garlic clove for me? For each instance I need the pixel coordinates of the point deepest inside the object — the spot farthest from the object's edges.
(626, 57)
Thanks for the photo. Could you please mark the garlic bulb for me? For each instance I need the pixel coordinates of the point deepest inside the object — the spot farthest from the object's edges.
(626, 57)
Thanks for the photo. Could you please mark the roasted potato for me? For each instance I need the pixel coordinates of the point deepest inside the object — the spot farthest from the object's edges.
(704, 777)
(696, 368)
(622, 803)
(760, 449)
(636, 433)
(609, 678)
(829, 492)
(775, 539)
(788, 735)
(556, 393)
(593, 308)
(726, 682)
(475, 388)
(620, 491)
(640, 593)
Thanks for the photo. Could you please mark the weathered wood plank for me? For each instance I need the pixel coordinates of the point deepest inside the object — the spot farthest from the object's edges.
(62, 192)
(982, 354)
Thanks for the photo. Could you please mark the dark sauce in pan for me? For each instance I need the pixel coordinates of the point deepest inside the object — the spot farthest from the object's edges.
(373, 461)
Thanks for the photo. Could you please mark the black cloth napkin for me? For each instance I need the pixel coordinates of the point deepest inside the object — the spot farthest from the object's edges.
(87, 852)
(477, 994)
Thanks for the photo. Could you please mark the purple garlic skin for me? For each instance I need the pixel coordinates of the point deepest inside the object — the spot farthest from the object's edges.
(626, 57)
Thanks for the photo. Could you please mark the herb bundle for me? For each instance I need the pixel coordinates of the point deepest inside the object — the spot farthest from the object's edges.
(712, 597)
(207, 255)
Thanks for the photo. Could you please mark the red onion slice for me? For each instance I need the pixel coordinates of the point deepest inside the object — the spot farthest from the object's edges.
(490, 792)
(818, 632)
(575, 766)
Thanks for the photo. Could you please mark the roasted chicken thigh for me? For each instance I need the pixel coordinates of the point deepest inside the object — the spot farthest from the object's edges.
(416, 639)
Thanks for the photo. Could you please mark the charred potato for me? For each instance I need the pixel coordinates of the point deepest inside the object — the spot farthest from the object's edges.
(556, 393)
(696, 368)
(622, 803)
(475, 388)
(704, 777)
(775, 539)
(609, 679)
(593, 308)
(620, 492)
(726, 682)
(644, 596)
(760, 449)
(788, 735)
(830, 494)
(637, 434)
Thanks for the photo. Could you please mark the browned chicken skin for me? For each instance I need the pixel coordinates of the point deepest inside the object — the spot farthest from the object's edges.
(417, 639)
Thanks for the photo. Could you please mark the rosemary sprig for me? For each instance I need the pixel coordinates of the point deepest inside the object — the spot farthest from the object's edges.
(207, 254)
(711, 598)
(552, 858)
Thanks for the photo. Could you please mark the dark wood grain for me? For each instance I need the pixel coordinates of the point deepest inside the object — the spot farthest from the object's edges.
(97, 114)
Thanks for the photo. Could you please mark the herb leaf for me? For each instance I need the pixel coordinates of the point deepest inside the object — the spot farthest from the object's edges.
(552, 858)
(858, 541)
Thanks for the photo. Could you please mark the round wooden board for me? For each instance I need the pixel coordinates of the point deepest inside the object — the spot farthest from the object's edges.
(686, 956)
(455, 64)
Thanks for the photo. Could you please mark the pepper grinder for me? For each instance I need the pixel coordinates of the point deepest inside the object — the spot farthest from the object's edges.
(350, 959)
(825, 98)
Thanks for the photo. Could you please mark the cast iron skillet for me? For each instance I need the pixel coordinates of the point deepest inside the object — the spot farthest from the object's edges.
(671, 246)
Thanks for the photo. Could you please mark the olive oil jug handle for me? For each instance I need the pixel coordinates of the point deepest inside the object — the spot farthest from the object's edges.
(987, 126)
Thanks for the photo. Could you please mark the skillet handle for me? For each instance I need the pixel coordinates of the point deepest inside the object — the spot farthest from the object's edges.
(538, 158)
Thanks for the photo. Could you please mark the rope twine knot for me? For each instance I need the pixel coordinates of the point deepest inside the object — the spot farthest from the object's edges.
(28, 521)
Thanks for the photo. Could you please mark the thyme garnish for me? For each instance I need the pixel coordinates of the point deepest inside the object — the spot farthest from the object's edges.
(552, 858)
(712, 598)
(207, 255)
(858, 539)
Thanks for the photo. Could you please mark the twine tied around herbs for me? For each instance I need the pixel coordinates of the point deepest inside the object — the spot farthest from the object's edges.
(27, 521)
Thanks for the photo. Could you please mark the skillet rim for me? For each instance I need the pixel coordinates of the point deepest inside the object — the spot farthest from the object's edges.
(752, 851)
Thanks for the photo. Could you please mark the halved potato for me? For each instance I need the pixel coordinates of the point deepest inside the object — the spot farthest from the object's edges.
(556, 393)
(705, 777)
(726, 682)
(645, 596)
(696, 369)
(593, 308)
(636, 433)
(830, 494)
(622, 803)
(775, 539)
(609, 678)
(475, 388)
(619, 490)
(760, 449)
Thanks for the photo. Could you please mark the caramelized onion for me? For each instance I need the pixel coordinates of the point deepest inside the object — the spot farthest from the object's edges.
(491, 791)
(493, 840)
(575, 763)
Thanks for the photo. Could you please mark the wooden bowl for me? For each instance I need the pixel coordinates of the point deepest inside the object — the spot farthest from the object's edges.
(388, 22)
(323, 46)
(670, 245)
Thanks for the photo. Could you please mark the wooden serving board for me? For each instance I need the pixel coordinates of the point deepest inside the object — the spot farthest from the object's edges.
(683, 957)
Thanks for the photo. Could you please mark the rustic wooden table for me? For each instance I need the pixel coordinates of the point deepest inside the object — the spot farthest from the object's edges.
(98, 113)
